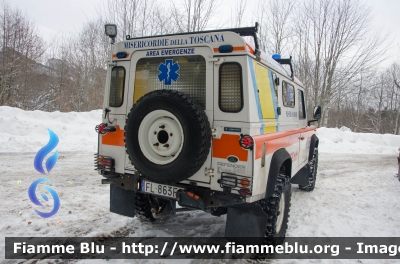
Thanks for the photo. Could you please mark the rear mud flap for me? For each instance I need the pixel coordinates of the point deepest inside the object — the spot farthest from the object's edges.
(247, 220)
(122, 201)
(302, 176)
(194, 201)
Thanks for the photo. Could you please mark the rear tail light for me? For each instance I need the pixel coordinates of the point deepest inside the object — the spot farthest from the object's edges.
(246, 142)
(96, 161)
(104, 128)
(236, 183)
(100, 128)
(244, 182)
(108, 162)
(104, 163)
(244, 192)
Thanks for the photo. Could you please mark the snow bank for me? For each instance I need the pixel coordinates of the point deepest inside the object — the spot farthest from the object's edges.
(26, 131)
(334, 140)
(353, 196)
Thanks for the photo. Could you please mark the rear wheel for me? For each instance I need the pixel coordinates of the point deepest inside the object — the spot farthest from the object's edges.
(143, 207)
(151, 208)
(277, 208)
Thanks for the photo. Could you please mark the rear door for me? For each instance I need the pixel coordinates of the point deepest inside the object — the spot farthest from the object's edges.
(183, 69)
(112, 143)
(231, 111)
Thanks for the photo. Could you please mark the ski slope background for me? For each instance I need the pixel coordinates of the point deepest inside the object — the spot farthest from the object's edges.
(356, 193)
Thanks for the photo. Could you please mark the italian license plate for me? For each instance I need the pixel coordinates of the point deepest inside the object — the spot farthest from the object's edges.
(158, 189)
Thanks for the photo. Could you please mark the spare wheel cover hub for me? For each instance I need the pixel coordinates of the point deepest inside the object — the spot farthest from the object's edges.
(160, 137)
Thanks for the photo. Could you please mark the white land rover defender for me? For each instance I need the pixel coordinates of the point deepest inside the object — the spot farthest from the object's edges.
(208, 121)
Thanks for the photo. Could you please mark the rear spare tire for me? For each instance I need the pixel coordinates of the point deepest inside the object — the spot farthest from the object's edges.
(167, 136)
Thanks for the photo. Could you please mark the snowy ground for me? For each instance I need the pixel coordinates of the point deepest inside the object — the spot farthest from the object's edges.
(356, 192)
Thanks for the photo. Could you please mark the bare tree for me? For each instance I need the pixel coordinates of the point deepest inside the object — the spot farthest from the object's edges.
(237, 13)
(21, 48)
(276, 25)
(85, 56)
(192, 15)
(395, 74)
(136, 18)
(335, 44)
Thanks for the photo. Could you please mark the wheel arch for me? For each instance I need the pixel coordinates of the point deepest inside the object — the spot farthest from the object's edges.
(313, 144)
(280, 158)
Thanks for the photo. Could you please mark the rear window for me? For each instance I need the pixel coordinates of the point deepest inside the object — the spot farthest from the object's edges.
(230, 87)
(183, 73)
(117, 87)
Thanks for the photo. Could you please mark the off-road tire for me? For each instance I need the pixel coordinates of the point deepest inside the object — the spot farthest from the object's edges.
(143, 207)
(271, 207)
(187, 114)
(313, 163)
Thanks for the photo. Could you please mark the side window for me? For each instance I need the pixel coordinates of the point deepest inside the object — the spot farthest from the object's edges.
(117, 87)
(287, 94)
(230, 87)
(302, 110)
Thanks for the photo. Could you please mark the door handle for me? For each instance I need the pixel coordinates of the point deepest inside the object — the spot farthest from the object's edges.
(301, 138)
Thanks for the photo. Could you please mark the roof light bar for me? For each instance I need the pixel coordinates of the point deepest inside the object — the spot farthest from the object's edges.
(225, 48)
(122, 54)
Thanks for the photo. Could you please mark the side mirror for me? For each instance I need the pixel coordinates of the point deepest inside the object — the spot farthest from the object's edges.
(317, 112)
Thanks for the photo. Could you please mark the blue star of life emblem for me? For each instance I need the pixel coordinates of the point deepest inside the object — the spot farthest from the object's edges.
(168, 71)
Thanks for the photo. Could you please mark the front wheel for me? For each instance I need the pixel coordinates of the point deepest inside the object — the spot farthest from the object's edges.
(313, 163)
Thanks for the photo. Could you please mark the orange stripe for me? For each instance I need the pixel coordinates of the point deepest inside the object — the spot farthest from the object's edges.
(237, 48)
(228, 145)
(279, 140)
(114, 138)
(250, 49)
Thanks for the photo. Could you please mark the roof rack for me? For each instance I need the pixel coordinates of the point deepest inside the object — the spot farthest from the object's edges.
(244, 31)
(287, 62)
